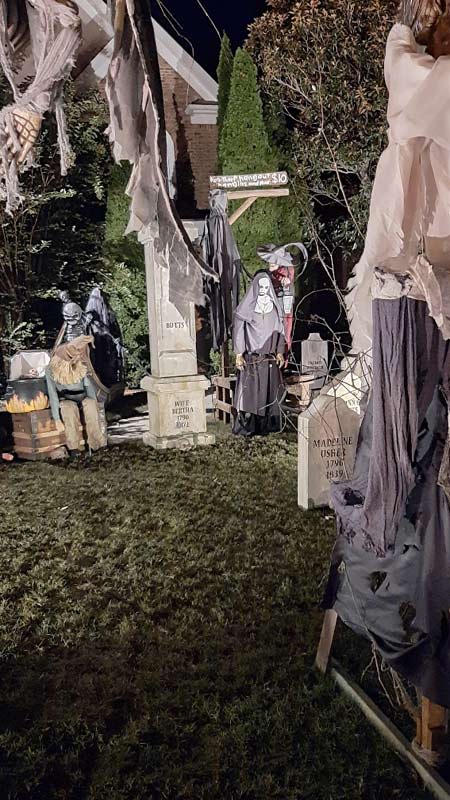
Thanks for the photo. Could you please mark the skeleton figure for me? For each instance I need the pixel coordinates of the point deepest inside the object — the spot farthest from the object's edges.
(53, 29)
(74, 319)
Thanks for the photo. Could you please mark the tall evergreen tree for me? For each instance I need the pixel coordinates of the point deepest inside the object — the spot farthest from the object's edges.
(245, 147)
(224, 72)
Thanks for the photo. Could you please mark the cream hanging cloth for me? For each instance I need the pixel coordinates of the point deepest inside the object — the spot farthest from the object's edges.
(407, 247)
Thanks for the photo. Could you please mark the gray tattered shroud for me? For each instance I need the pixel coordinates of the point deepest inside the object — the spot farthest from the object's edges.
(390, 573)
(54, 32)
(137, 132)
(221, 253)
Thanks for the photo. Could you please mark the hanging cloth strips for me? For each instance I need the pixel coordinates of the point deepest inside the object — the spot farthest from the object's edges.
(54, 27)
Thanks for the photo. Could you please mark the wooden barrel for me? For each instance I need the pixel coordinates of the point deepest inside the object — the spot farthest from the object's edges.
(35, 435)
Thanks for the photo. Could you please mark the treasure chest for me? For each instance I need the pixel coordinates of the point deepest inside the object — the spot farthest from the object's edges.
(35, 436)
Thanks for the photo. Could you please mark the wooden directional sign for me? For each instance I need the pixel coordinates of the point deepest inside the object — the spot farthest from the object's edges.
(257, 180)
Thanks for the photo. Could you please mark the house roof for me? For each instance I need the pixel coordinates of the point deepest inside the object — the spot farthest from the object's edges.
(94, 57)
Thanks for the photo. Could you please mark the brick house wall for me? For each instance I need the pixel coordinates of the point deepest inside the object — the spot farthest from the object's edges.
(195, 144)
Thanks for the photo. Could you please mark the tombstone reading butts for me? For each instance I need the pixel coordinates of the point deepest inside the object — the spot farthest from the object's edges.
(328, 433)
(176, 394)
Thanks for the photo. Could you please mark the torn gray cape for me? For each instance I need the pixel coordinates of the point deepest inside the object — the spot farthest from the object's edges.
(390, 573)
(221, 253)
(137, 132)
(54, 32)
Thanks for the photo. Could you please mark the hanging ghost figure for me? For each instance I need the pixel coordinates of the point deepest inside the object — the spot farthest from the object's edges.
(52, 28)
(390, 572)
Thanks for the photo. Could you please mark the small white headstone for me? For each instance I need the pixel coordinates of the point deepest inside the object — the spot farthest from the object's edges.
(315, 358)
(327, 437)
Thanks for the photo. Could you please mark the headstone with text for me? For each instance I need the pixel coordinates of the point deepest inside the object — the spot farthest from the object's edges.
(175, 392)
(327, 438)
(315, 359)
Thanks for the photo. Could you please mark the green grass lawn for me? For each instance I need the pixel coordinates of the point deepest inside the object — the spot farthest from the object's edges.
(158, 624)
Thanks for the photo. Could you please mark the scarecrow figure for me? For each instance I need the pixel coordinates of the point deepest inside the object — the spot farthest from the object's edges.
(70, 388)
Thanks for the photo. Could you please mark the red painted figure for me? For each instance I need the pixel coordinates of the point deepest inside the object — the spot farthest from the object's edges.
(282, 271)
(283, 279)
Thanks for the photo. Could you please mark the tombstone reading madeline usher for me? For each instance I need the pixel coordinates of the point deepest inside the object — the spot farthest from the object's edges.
(327, 437)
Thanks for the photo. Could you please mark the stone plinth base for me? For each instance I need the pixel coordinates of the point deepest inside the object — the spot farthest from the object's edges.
(177, 412)
(180, 442)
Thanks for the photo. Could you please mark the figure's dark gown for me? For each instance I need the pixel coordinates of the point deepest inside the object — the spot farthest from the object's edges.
(259, 388)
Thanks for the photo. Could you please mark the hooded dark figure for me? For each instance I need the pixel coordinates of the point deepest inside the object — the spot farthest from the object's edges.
(259, 344)
(221, 254)
(107, 355)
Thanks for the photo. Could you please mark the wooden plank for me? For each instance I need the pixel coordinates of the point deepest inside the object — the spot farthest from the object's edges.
(220, 405)
(37, 436)
(255, 180)
(224, 383)
(326, 639)
(434, 726)
(430, 777)
(242, 209)
(241, 194)
(225, 359)
(38, 450)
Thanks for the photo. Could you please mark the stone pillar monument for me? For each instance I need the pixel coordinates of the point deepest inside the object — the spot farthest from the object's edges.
(176, 393)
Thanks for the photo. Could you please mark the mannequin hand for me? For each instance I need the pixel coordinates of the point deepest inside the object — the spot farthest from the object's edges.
(240, 361)
(59, 426)
(280, 360)
(27, 126)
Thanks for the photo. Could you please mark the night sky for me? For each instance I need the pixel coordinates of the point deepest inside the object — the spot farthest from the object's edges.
(232, 16)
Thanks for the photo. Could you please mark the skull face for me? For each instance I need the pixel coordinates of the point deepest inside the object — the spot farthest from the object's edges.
(72, 313)
(263, 286)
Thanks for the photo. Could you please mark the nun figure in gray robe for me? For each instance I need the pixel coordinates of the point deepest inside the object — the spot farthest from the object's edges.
(259, 344)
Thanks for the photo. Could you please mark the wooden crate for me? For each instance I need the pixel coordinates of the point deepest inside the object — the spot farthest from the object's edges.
(224, 397)
(35, 435)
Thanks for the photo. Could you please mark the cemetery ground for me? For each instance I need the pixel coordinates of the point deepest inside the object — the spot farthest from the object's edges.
(159, 616)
